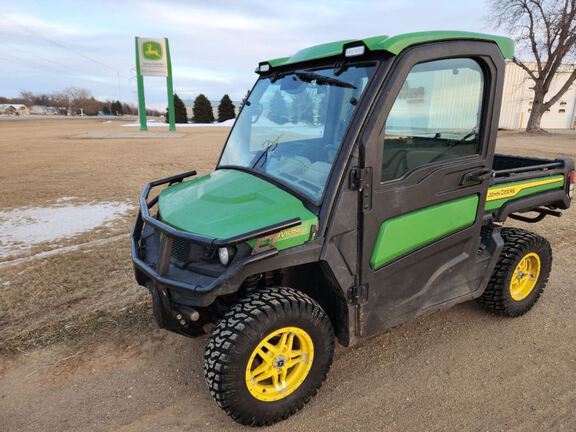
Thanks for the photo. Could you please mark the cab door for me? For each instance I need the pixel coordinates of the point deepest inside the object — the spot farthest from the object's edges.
(427, 156)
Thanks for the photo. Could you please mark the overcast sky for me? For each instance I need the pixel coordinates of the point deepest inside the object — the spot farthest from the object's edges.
(215, 45)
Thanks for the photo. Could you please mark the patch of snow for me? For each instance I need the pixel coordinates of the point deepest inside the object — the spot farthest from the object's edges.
(227, 123)
(84, 247)
(22, 228)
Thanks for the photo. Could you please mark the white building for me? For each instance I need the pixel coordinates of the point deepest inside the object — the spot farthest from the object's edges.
(43, 110)
(517, 100)
(14, 109)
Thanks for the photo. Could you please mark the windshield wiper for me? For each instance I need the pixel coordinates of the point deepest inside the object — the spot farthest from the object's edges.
(270, 145)
(321, 79)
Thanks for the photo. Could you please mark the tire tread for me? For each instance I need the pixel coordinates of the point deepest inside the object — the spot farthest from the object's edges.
(270, 304)
(516, 244)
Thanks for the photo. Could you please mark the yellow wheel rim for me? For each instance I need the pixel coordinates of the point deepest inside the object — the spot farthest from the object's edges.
(279, 364)
(525, 276)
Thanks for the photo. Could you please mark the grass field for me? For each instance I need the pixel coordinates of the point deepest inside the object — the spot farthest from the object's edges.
(77, 336)
(82, 292)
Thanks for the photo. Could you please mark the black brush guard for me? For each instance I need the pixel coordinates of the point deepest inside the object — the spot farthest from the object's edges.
(193, 289)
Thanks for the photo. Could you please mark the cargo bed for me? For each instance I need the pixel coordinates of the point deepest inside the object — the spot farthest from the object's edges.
(524, 184)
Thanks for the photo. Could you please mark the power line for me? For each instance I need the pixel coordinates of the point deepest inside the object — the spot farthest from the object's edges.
(62, 46)
(50, 62)
(58, 69)
(56, 43)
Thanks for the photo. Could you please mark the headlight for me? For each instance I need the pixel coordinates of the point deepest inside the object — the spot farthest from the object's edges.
(226, 254)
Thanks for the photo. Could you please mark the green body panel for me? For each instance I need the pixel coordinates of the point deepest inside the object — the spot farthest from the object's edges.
(396, 44)
(496, 204)
(312, 53)
(392, 44)
(403, 234)
(228, 203)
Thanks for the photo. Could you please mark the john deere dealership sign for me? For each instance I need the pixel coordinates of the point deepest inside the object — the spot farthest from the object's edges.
(153, 59)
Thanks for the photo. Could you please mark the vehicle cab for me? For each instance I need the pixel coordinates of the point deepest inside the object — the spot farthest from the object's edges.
(309, 137)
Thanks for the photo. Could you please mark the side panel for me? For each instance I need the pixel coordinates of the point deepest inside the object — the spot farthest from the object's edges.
(403, 234)
(500, 194)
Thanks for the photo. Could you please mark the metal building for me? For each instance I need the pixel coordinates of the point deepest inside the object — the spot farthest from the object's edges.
(517, 100)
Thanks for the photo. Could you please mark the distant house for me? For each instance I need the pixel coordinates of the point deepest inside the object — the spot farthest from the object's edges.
(43, 110)
(38, 110)
(14, 109)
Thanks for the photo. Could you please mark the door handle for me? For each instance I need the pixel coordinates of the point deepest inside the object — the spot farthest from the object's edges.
(477, 176)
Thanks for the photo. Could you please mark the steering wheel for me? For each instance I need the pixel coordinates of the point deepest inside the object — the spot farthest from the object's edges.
(470, 134)
(289, 149)
(292, 150)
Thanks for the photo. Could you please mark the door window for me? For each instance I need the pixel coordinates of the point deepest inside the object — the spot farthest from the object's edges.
(436, 116)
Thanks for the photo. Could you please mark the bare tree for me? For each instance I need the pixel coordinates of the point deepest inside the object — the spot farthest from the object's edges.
(545, 33)
(74, 99)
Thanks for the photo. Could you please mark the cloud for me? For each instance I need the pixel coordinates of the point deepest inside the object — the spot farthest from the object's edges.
(215, 44)
(194, 18)
(22, 22)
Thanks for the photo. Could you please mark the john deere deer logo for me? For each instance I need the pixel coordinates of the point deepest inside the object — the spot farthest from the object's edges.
(152, 50)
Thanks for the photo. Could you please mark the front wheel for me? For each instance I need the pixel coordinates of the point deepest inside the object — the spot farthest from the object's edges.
(269, 355)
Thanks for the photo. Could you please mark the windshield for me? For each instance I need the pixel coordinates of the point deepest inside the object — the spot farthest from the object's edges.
(293, 123)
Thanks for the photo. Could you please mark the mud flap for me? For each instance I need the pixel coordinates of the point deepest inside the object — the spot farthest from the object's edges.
(161, 315)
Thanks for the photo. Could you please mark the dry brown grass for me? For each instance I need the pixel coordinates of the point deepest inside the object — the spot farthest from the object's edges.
(41, 163)
(82, 295)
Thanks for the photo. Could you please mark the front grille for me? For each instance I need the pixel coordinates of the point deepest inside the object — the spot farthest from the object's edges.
(180, 249)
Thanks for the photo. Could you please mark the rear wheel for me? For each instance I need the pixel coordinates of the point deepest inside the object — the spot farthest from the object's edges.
(269, 355)
(520, 275)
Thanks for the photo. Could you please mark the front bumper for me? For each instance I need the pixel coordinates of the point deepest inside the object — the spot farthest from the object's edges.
(176, 288)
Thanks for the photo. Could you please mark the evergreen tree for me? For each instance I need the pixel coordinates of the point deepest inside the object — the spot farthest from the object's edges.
(106, 108)
(278, 109)
(117, 108)
(302, 108)
(226, 109)
(323, 110)
(180, 115)
(127, 109)
(202, 110)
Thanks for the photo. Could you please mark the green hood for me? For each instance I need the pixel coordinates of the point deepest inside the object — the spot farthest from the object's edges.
(228, 203)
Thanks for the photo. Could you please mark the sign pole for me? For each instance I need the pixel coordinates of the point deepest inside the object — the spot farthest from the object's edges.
(170, 89)
(141, 98)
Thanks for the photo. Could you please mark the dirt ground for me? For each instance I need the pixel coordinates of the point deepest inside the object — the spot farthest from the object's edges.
(78, 350)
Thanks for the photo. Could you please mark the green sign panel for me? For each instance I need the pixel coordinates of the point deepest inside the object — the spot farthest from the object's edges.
(152, 50)
(153, 59)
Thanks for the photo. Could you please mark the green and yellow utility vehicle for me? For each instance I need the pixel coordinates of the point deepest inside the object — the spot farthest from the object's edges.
(358, 189)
